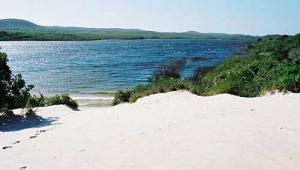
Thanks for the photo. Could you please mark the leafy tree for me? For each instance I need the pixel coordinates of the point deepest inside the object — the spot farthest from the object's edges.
(13, 91)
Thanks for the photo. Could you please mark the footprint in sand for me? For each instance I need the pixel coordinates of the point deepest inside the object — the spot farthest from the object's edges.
(38, 133)
(42, 131)
(6, 147)
(32, 137)
(16, 142)
(288, 130)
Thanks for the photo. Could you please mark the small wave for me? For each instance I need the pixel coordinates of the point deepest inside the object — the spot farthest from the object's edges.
(92, 98)
(93, 101)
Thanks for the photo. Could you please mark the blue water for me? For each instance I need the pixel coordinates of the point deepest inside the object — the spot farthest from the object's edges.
(105, 66)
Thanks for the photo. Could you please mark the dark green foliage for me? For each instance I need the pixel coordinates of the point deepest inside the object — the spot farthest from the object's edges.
(5, 73)
(239, 76)
(41, 101)
(35, 101)
(200, 72)
(170, 70)
(13, 90)
(289, 75)
(13, 93)
(295, 52)
(273, 63)
(64, 99)
(121, 97)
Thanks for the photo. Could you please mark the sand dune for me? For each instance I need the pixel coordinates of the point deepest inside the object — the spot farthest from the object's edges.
(173, 131)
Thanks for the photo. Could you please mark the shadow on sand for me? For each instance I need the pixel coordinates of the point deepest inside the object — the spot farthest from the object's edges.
(18, 122)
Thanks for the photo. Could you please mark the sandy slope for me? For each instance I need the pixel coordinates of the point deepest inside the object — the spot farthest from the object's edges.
(174, 131)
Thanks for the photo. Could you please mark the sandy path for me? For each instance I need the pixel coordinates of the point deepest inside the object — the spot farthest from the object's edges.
(174, 131)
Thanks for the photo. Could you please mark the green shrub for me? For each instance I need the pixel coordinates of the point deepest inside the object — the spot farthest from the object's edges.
(63, 99)
(289, 76)
(41, 101)
(158, 85)
(172, 69)
(35, 101)
(121, 97)
(14, 93)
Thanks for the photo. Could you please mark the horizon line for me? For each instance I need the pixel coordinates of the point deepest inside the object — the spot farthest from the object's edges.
(128, 28)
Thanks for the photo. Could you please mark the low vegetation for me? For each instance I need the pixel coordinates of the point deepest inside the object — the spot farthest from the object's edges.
(41, 101)
(272, 63)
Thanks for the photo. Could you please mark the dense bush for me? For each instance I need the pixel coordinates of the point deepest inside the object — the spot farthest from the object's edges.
(35, 101)
(269, 66)
(289, 75)
(13, 90)
(170, 70)
(273, 63)
(41, 101)
(121, 96)
(64, 99)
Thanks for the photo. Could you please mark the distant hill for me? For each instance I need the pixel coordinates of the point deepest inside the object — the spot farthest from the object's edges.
(16, 29)
(18, 25)
(23, 25)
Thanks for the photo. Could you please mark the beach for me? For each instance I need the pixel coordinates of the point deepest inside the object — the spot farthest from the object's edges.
(175, 131)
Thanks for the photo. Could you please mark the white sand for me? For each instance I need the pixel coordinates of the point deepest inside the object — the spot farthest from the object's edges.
(173, 131)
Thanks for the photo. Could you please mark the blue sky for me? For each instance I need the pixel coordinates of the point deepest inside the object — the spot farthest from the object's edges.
(256, 17)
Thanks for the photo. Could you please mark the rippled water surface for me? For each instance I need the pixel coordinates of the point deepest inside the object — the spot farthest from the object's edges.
(106, 66)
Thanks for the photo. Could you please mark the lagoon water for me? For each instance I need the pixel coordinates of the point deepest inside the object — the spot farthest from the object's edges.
(86, 67)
